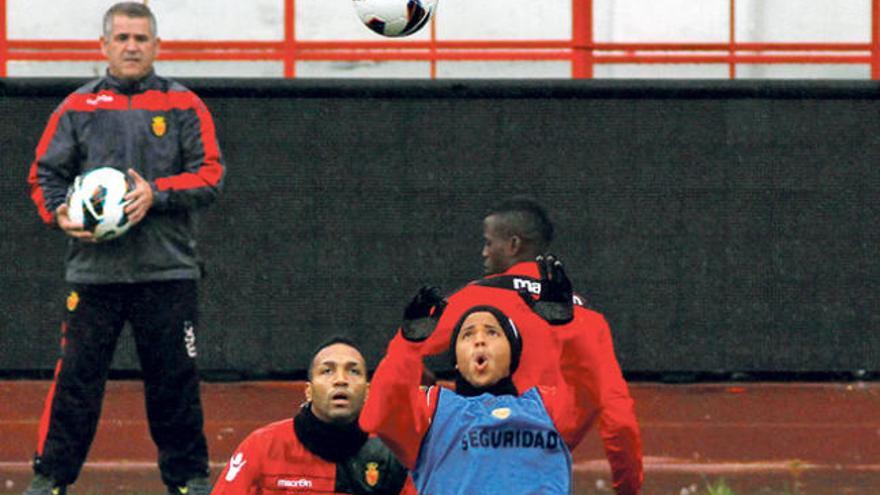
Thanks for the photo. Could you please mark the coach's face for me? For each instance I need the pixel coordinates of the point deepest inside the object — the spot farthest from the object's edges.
(482, 351)
(131, 48)
(498, 247)
(337, 387)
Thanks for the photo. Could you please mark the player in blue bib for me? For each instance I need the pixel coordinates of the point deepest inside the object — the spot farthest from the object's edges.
(486, 436)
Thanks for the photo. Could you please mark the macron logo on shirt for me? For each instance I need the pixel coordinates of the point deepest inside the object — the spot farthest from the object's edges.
(235, 464)
(300, 483)
(532, 286)
(99, 99)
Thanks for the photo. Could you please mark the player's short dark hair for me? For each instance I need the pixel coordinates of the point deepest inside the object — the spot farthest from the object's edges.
(336, 339)
(135, 10)
(524, 217)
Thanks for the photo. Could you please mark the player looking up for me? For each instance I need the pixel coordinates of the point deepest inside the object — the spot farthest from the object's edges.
(516, 232)
(321, 449)
(486, 436)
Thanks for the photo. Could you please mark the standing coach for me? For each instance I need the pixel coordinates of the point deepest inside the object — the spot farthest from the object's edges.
(162, 135)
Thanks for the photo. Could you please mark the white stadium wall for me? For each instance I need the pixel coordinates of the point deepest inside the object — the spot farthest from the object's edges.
(844, 21)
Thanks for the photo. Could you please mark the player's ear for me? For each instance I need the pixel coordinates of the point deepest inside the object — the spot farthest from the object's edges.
(308, 392)
(515, 245)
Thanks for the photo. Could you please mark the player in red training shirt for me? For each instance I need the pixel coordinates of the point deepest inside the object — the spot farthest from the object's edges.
(321, 449)
(516, 233)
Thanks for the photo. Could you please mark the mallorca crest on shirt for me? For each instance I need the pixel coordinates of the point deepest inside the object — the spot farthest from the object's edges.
(371, 474)
(159, 126)
(72, 301)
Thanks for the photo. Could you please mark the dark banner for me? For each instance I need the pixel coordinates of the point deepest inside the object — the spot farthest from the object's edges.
(719, 226)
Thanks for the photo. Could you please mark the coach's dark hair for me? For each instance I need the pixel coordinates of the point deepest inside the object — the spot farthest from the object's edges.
(524, 217)
(336, 339)
(135, 10)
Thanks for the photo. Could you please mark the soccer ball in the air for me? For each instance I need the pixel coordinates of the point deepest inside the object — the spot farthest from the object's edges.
(96, 200)
(395, 17)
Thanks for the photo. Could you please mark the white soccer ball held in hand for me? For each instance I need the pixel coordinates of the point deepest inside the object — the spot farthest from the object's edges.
(96, 200)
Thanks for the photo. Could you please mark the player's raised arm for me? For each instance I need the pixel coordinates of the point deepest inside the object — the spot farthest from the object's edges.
(397, 409)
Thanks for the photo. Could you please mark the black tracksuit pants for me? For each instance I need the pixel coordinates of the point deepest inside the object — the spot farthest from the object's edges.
(163, 317)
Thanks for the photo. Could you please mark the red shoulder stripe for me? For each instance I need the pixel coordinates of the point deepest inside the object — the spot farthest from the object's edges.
(161, 101)
(102, 100)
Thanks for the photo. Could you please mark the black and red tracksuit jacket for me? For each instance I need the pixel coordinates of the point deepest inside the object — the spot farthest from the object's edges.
(163, 131)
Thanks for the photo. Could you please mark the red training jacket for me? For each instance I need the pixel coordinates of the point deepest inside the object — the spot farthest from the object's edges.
(272, 460)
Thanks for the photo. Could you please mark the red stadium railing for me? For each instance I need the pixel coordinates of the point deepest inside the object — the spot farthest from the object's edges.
(582, 51)
(4, 49)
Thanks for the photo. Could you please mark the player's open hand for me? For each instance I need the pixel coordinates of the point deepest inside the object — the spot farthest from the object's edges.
(140, 199)
(71, 228)
(422, 313)
(555, 303)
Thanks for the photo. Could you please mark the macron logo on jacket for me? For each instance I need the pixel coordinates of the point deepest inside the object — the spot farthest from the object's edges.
(102, 98)
(532, 286)
(300, 483)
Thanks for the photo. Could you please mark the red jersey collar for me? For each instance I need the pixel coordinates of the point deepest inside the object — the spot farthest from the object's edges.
(523, 268)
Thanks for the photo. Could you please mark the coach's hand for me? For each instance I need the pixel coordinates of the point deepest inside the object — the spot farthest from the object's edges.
(556, 303)
(71, 228)
(422, 313)
(139, 199)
